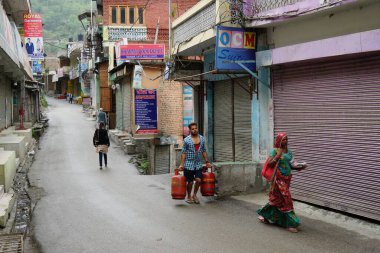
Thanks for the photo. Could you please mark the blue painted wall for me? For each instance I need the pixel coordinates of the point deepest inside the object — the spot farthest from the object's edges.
(210, 115)
(261, 110)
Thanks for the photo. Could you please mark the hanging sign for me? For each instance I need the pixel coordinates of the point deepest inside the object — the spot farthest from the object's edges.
(234, 44)
(33, 36)
(146, 111)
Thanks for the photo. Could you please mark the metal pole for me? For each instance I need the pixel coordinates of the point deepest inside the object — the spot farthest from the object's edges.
(170, 29)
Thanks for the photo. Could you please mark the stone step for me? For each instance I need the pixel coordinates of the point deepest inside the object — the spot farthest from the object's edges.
(14, 143)
(1, 191)
(6, 204)
(7, 168)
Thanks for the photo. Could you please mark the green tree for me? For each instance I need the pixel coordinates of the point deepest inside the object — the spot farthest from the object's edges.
(60, 19)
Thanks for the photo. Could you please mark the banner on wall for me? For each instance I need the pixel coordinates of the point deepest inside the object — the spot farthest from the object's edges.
(146, 111)
(33, 36)
(188, 109)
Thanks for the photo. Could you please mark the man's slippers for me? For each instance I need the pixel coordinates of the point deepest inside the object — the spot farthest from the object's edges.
(196, 201)
(190, 201)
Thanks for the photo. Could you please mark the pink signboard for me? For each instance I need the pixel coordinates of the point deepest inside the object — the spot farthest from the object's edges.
(142, 52)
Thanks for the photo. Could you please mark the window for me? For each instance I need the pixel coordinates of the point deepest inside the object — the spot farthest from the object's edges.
(123, 19)
(141, 16)
(113, 15)
(127, 15)
(131, 15)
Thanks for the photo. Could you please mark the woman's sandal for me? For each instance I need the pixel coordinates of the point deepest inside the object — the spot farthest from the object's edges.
(190, 201)
(293, 230)
(263, 220)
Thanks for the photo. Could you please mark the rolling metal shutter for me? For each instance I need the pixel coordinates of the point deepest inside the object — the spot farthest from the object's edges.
(119, 108)
(243, 122)
(223, 131)
(331, 112)
(232, 121)
(162, 159)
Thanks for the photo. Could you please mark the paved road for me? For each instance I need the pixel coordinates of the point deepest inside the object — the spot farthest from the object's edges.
(117, 210)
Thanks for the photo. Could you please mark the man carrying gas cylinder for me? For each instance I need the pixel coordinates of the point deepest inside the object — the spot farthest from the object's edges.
(194, 147)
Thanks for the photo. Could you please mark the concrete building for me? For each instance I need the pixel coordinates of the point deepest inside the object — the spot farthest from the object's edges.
(159, 124)
(19, 94)
(322, 60)
(313, 73)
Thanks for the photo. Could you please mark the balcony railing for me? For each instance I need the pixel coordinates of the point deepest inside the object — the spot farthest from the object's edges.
(115, 33)
(254, 7)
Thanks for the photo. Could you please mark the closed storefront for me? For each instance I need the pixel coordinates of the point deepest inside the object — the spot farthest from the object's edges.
(123, 95)
(232, 121)
(331, 112)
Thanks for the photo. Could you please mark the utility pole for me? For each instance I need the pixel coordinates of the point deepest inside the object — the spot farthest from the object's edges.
(170, 30)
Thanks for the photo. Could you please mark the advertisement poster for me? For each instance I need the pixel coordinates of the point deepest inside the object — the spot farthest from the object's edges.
(137, 77)
(235, 44)
(33, 36)
(37, 67)
(142, 52)
(146, 111)
(188, 109)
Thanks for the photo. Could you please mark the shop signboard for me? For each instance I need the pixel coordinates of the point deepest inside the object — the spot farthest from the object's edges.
(234, 44)
(146, 111)
(142, 52)
(33, 36)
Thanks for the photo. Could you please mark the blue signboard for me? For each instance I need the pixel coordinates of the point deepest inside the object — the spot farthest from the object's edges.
(234, 44)
(37, 67)
(146, 111)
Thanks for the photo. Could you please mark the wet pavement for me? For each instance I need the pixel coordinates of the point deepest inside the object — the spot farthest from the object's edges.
(85, 209)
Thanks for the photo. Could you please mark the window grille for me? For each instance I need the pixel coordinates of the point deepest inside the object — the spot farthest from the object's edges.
(259, 6)
(198, 23)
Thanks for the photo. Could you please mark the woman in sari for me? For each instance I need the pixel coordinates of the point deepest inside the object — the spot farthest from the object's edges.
(280, 209)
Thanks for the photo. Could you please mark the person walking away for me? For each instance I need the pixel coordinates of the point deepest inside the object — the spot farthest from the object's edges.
(71, 98)
(279, 210)
(102, 117)
(102, 143)
(194, 147)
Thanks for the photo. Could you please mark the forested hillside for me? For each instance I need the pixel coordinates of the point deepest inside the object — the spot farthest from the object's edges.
(60, 18)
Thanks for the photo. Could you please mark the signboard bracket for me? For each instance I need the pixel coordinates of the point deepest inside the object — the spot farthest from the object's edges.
(241, 64)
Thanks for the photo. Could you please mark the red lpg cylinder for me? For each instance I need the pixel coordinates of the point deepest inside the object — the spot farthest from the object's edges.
(208, 182)
(178, 185)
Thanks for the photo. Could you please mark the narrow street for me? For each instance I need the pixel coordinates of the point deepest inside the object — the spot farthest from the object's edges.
(84, 209)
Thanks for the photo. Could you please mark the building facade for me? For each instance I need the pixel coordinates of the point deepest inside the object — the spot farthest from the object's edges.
(314, 75)
(324, 80)
(15, 95)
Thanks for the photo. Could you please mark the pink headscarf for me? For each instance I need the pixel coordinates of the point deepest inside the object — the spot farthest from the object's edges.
(279, 138)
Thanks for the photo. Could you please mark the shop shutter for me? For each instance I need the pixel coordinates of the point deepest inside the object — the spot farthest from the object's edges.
(243, 122)
(127, 96)
(119, 108)
(223, 122)
(331, 112)
(162, 159)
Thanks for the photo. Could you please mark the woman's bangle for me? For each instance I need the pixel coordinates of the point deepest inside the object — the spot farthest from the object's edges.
(274, 160)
